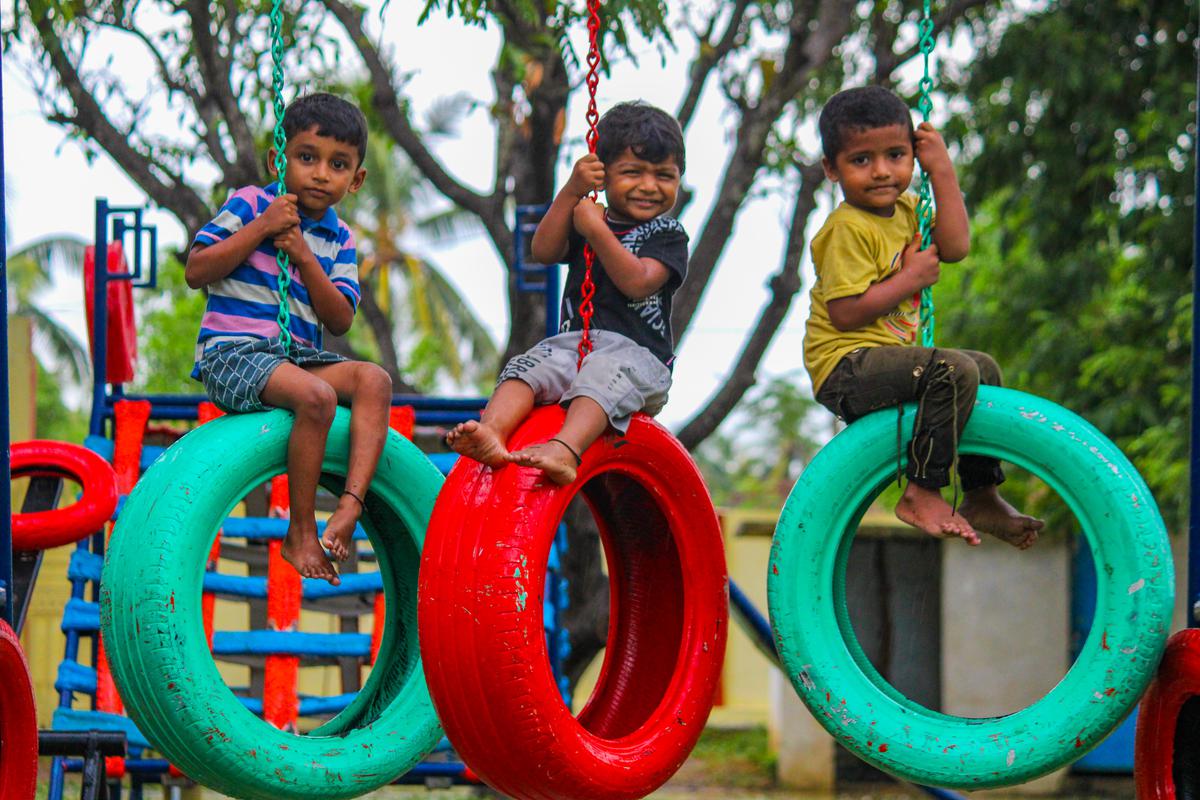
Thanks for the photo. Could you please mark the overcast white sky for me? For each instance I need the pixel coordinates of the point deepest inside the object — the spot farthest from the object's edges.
(52, 189)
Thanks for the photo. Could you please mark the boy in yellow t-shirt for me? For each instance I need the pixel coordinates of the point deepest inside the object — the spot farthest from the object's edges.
(860, 345)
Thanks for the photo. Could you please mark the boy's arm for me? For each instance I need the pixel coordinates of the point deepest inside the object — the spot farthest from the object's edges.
(334, 310)
(636, 278)
(210, 263)
(919, 268)
(551, 239)
(951, 233)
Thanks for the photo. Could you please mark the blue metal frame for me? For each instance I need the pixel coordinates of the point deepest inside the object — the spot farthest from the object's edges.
(1194, 504)
(531, 276)
(116, 217)
(6, 566)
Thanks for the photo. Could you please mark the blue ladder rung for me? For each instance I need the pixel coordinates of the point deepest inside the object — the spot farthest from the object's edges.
(269, 528)
(136, 766)
(313, 588)
(84, 565)
(291, 643)
(71, 719)
(75, 677)
(81, 615)
(443, 461)
(309, 706)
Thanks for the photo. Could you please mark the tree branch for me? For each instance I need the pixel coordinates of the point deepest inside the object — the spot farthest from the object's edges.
(216, 71)
(381, 329)
(888, 61)
(388, 104)
(204, 131)
(785, 284)
(808, 49)
(92, 119)
(708, 56)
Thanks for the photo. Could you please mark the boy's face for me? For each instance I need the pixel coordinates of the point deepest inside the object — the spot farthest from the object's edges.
(320, 171)
(638, 190)
(874, 167)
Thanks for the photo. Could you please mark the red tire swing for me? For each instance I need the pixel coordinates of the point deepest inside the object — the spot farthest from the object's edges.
(480, 617)
(479, 612)
(18, 721)
(1167, 748)
(42, 530)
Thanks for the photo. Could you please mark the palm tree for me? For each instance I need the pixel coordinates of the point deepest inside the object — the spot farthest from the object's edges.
(414, 312)
(757, 455)
(31, 271)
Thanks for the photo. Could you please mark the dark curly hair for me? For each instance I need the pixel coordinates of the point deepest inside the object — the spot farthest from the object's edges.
(856, 110)
(651, 133)
(331, 116)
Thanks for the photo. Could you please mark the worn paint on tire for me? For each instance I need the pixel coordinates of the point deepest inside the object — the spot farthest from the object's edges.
(827, 667)
(155, 640)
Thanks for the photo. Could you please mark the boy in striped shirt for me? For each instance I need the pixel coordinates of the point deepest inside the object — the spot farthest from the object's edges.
(241, 357)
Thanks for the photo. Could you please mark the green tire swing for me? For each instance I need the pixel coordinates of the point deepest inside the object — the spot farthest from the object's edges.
(158, 651)
(830, 672)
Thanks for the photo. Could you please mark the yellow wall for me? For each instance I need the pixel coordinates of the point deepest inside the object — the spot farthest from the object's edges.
(745, 675)
(21, 378)
(744, 678)
(41, 637)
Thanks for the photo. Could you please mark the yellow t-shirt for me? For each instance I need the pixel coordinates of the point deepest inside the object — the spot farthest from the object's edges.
(853, 250)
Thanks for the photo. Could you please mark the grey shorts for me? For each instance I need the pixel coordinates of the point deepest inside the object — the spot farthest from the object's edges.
(619, 374)
(234, 373)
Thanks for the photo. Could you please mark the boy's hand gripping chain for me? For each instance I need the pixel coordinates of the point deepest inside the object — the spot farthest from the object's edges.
(924, 193)
(588, 290)
(280, 141)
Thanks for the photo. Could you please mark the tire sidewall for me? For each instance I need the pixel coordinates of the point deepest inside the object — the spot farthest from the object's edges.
(1133, 608)
(494, 689)
(18, 721)
(1177, 681)
(151, 592)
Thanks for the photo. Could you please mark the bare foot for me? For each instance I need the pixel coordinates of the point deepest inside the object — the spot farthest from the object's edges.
(925, 510)
(478, 441)
(552, 458)
(989, 512)
(302, 550)
(339, 528)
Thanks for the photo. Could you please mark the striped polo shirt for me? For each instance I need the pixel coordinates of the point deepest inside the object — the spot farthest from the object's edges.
(245, 304)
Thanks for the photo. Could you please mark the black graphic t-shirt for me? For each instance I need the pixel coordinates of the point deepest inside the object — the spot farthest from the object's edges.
(646, 321)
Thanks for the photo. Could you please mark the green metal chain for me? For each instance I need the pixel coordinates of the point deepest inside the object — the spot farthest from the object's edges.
(925, 192)
(281, 258)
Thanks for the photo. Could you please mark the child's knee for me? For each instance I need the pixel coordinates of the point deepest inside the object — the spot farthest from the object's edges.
(374, 382)
(317, 403)
(961, 368)
(990, 373)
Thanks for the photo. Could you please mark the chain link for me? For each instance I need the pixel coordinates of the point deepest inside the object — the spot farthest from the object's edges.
(280, 141)
(588, 290)
(924, 191)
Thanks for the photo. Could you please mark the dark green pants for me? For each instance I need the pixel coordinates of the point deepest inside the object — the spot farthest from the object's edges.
(942, 382)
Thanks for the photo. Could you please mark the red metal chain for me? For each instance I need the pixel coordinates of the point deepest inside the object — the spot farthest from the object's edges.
(593, 118)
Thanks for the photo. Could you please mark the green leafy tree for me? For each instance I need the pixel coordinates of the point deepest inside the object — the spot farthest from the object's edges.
(31, 271)
(774, 63)
(1080, 145)
(168, 318)
(758, 453)
(415, 315)
(61, 360)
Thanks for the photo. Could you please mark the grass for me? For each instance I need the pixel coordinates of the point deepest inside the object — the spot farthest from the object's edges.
(737, 758)
(729, 764)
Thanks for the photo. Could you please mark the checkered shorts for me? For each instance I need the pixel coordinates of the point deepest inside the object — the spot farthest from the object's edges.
(234, 373)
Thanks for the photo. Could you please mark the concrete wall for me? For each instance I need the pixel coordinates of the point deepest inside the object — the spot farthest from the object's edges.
(1005, 635)
(1005, 631)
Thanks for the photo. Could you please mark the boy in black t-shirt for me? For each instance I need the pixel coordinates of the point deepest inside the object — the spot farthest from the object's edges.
(640, 260)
